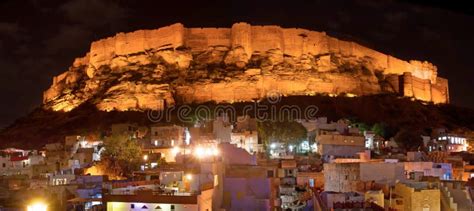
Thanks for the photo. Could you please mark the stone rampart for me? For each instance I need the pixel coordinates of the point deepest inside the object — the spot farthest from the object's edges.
(104, 50)
(254, 39)
(423, 89)
(409, 78)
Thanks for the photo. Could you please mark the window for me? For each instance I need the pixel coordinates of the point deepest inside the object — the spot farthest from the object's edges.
(4, 165)
(269, 173)
(346, 177)
(172, 207)
(132, 206)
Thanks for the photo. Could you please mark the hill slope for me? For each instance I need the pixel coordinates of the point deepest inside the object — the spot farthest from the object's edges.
(45, 126)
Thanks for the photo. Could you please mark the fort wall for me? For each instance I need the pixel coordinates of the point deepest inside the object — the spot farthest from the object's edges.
(254, 39)
(423, 89)
(103, 51)
(241, 37)
(409, 78)
(200, 39)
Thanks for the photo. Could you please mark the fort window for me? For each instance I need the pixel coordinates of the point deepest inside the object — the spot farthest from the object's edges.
(303, 35)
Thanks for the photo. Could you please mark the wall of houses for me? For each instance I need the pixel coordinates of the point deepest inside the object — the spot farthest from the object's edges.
(418, 198)
(341, 177)
(387, 173)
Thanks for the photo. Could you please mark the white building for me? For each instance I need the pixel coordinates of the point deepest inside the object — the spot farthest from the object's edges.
(222, 129)
(244, 135)
(16, 161)
(332, 146)
(167, 135)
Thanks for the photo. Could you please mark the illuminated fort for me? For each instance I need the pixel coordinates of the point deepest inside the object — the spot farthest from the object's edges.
(291, 61)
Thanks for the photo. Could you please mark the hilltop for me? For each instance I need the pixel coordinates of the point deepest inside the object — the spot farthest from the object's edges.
(150, 69)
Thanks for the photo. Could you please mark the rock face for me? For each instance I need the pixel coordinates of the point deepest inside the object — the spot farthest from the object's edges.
(150, 69)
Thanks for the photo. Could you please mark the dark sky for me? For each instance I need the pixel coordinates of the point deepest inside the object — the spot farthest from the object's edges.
(39, 39)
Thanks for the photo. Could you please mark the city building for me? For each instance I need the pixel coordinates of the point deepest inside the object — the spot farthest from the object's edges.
(332, 146)
(167, 135)
(416, 170)
(455, 196)
(129, 129)
(341, 177)
(418, 196)
(222, 129)
(244, 135)
(451, 143)
(287, 190)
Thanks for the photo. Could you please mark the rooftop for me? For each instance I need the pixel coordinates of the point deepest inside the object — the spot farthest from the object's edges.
(151, 197)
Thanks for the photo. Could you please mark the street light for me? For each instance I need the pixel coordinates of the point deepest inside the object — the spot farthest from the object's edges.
(189, 176)
(145, 157)
(204, 152)
(37, 206)
(175, 150)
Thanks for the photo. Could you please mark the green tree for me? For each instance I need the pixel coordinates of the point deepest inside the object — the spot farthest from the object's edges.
(289, 132)
(122, 154)
(409, 138)
(363, 126)
(379, 129)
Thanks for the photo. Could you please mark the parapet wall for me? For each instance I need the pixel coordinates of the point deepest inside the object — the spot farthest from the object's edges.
(254, 39)
(424, 90)
(104, 50)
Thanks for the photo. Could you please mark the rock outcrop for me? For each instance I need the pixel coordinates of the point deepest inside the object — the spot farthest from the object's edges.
(150, 69)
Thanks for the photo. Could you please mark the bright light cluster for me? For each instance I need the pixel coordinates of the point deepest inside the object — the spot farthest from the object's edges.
(175, 150)
(203, 152)
(38, 206)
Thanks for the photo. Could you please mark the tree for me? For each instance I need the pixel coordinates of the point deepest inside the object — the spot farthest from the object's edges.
(379, 129)
(363, 126)
(409, 138)
(122, 154)
(289, 132)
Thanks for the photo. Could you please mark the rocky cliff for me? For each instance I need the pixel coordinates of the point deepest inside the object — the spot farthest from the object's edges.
(150, 69)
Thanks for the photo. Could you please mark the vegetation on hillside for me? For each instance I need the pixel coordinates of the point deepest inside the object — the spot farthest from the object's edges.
(281, 131)
(391, 112)
(121, 155)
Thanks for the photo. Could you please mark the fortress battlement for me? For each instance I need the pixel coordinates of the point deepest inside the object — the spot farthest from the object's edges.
(254, 39)
(322, 58)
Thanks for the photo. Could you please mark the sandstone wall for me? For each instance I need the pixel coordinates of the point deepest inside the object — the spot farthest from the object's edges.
(200, 39)
(423, 89)
(241, 37)
(264, 38)
(248, 90)
(254, 39)
(440, 91)
(104, 50)
(415, 78)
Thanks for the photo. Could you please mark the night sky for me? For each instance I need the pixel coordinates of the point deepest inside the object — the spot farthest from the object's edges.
(40, 39)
